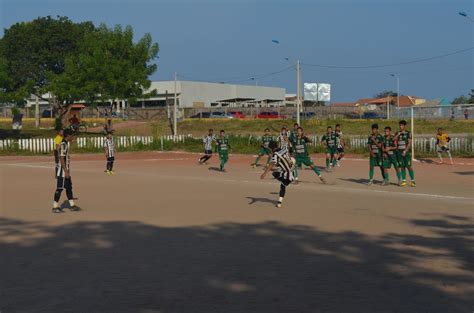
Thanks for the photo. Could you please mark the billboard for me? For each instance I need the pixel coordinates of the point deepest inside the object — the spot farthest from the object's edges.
(317, 92)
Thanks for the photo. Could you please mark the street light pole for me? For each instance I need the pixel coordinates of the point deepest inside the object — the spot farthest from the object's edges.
(298, 91)
(175, 110)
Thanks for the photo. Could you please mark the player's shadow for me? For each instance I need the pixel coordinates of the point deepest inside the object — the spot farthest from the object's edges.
(264, 267)
(362, 181)
(214, 169)
(253, 200)
(427, 161)
(467, 173)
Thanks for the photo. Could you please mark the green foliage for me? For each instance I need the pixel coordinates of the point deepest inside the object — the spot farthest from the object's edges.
(464, 99)
(386, 93)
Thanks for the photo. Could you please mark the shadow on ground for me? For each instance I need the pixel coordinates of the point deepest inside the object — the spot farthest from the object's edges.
(466, 173)
(266, 267)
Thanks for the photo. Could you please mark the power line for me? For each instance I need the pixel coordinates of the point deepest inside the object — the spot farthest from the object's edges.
(393, 64)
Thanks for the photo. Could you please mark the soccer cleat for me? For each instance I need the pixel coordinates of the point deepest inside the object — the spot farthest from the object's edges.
(111, 172)
(413, 184)
(384, 183)
(403, 184)
(75, 208)
(57, 210)
(278, 205)
(338, 164)
(370, 182)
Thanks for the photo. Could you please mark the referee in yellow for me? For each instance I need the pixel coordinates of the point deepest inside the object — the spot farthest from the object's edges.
(57, 146)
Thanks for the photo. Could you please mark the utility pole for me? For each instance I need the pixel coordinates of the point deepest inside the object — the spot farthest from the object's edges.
(298, 91)
(175, 109)
(37, 116)
(398, 92)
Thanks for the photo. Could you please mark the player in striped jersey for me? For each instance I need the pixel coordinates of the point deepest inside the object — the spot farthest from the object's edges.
(207, 141)
(283, 140)
(63, 175)
(57, 145)
(109, 153)
(340, 144)
(282, 165)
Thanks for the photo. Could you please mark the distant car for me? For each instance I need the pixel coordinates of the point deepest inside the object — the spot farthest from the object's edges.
(305, 115)
(47, 113)
(201, 115)
(269, 115)
(221, 115)
(237, 114)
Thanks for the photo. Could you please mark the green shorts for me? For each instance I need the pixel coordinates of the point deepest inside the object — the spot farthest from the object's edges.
(303, 159)
(265, 151)
(404, 161)
(388, 160)
(375, 161)
(331, 150)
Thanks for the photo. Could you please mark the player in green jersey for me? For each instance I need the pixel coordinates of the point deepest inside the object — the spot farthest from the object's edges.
(292, 133)
(403, 138)
(264, 147)
(374, 144)
(389, 149)
(222, 148)
(329, 141)
(299, 144)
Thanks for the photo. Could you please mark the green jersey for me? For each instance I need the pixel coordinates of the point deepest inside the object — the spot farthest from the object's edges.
(374, 141)
(300, 145)
(266, 141)
(331, 140)
(222, 144)
(389, 142)
(402, 139)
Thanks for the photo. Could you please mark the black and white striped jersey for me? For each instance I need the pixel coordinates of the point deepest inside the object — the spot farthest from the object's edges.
(109, 147)
(207, 140)
(63, 153)
(284, 163)
(284, 141)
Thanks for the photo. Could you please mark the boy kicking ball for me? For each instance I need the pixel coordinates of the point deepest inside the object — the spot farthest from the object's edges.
(63, 175)
(282, 165)
(109, 153)
(222, 148)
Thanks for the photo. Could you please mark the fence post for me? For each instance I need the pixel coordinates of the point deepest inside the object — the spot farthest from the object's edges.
(161, 138)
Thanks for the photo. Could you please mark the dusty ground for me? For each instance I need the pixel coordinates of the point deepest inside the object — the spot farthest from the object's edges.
(167, 235)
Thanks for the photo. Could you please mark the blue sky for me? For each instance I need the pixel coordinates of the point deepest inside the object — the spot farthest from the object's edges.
(230, 40)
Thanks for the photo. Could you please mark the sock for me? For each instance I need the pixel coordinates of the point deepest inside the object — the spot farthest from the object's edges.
(404, 174)
(111, 165)
(295, 173)
(398, 175)
(334, 161)
(280, 199)
(71, 202)
(327, 163)
(450, 157)
(316, 170)
(55, 204)
(256, 160)
(387, 176)
(371, 173)
(57, 195)
(412, 174)
(382, 172)
(222, 164)
(282, 190)
(69, 194)
(440, 157)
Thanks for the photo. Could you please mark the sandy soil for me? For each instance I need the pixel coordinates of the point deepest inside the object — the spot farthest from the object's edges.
(167, 235)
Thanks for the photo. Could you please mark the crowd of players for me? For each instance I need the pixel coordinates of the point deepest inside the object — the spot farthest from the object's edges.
(286, 154)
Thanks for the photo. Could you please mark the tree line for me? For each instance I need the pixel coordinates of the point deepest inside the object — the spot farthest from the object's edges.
(74, 61)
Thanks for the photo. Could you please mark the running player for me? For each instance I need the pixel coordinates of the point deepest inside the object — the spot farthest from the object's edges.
(442, 141)
(264, 147)
(340, 144)
(389, 148)
(57, 145)
(292, 134)
(403, 138)
(109, 153)
(282, 165)
(207, 141)
(222, 148)
(63, 175)
(329, 141)
(374, 144)
(302, 155)
(283, 140)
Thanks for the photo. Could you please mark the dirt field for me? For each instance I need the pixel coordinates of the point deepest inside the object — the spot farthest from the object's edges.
(166, 235)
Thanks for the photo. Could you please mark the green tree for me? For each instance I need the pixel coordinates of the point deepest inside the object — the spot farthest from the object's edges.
(462, 99)
(36, 52)
(386, 93)
(109, 66)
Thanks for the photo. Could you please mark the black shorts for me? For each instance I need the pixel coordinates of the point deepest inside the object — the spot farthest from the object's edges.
(278, 176)
(208, 152)
(340, 149)
(110, 159)
(63, 183)
(443, 149)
